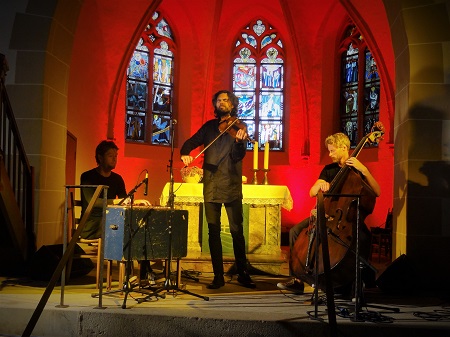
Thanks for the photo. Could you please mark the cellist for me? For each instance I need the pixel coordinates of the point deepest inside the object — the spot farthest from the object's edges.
(338, 146)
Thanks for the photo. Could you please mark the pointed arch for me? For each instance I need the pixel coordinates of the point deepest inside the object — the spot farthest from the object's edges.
(360, 85)
(384, 56)
(258, 82)
(149, 85)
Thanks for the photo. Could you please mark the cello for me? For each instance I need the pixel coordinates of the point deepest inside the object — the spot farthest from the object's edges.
(341, 218)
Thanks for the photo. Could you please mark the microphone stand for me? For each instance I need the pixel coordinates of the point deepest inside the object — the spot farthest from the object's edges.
(360, 301)
(321, 238)
(359, 294)
(168, 285)
(126, 287)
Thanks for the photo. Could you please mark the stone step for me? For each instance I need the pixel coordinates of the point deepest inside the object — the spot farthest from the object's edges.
(269, 264)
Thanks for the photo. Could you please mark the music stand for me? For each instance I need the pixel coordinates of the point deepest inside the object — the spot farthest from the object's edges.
(168, 285)
(126, 287)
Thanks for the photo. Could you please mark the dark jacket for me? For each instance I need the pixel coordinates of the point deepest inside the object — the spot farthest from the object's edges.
(222, 166)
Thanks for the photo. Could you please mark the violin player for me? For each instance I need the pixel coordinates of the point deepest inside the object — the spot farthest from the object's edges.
(222, 182)
(338, 146)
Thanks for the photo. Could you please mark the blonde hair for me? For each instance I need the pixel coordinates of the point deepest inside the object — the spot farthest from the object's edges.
(339, 140)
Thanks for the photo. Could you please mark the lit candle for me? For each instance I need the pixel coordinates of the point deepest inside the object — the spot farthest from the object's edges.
(266, 155)
(255, 156)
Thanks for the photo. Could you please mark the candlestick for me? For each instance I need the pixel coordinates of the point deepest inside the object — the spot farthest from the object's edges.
(255, 156)
(266, 155)
(265, 180)
(255, 178)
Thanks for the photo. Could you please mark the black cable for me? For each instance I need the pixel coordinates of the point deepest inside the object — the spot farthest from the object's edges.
(436, 315)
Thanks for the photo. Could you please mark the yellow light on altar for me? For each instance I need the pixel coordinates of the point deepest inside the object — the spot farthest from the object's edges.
(255, 156)
(266, 155)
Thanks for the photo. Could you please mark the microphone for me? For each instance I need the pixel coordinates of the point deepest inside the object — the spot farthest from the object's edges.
(146, 183)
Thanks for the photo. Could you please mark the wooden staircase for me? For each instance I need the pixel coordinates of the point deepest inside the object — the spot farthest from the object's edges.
(17, 241)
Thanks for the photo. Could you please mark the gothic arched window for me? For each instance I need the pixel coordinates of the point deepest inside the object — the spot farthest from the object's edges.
(258, 82)
(150, 85)
(360, 87)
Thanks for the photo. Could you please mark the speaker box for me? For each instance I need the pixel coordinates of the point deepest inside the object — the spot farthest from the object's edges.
(44, 262)
(399, 277)
(149, 233)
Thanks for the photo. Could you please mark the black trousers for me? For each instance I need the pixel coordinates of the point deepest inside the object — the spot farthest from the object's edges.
(235, 220)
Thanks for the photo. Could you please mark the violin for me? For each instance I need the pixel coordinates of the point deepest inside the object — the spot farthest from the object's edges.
(232, 125)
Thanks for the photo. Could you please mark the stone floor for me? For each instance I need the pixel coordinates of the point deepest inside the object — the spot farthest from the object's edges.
(193, 310)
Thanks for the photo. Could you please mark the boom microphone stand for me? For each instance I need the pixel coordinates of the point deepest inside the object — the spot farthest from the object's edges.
(168, 285)
(126, 287)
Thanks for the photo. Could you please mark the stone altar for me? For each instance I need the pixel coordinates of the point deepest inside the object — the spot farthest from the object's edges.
(264, 203)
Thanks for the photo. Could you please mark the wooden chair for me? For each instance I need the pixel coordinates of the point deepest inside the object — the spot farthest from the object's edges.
(382, 237)
(91, 247)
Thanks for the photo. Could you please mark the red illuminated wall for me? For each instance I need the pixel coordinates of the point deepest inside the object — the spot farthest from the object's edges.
(204, 32)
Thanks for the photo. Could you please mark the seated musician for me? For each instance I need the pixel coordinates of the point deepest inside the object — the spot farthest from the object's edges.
(338, 146)
(106, 158)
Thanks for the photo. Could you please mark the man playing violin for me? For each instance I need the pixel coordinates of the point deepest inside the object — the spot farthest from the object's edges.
(222, 183)
(338, 146)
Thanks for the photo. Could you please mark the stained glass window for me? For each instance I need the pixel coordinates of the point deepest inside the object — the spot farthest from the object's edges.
(150, 85)
(258, 82)
(360, 87)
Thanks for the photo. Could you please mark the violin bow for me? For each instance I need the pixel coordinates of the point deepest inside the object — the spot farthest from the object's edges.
(218, 136)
